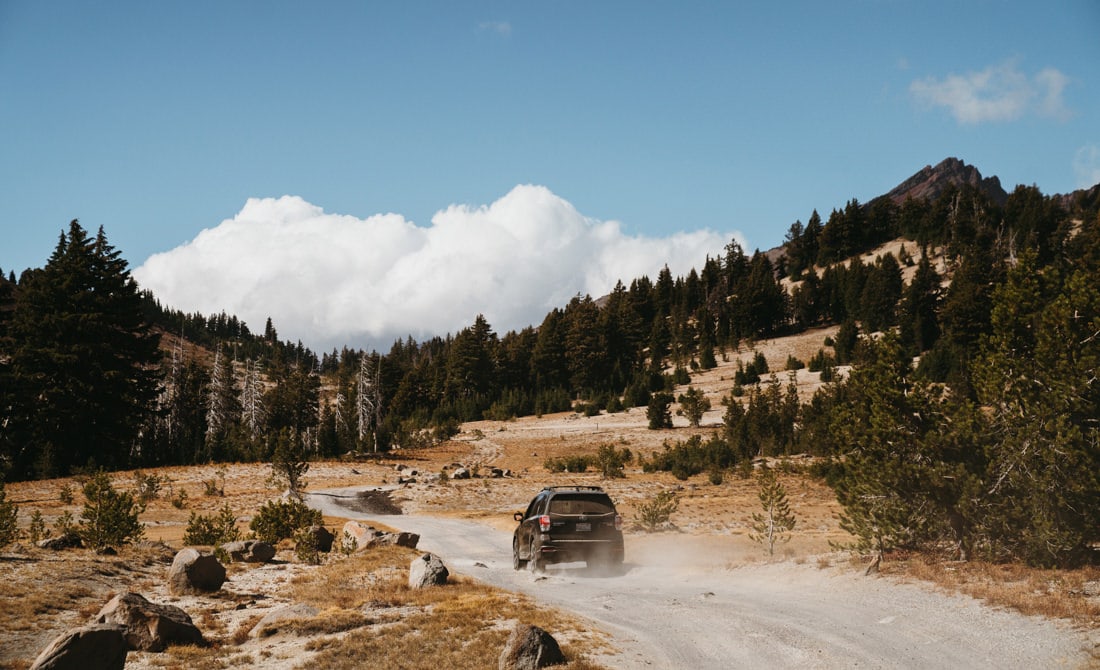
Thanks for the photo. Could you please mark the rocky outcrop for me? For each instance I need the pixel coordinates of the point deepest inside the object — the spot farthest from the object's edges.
(149, 626)
(322, 538)
(427, 570)
(70, 540)
(193, 572)
(249, 551)
(529, 647)
(95, 647)
(930, 182)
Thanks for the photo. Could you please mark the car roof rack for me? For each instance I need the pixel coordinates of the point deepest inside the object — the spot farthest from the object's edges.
(572, 487)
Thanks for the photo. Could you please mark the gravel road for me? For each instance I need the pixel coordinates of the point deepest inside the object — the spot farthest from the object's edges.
(666, 610)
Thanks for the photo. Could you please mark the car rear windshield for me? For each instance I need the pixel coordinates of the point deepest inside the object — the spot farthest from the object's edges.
(580, 503)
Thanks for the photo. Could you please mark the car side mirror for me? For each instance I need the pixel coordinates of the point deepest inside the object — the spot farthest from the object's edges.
(518, 516)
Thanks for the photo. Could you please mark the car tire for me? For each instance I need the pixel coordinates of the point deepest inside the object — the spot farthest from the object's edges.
(537, 562)
(517, 562)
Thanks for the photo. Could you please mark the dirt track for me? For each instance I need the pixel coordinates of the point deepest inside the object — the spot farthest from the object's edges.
(674, 608)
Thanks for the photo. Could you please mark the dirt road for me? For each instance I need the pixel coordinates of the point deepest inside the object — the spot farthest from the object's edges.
(670, 609)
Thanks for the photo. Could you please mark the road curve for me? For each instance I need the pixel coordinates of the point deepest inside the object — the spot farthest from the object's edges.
(781, 615)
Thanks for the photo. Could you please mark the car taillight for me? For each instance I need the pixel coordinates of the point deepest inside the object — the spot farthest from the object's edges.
(544, 523)
(618, 522)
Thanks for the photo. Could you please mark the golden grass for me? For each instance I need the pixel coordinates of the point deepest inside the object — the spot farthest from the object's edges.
(1057, 594)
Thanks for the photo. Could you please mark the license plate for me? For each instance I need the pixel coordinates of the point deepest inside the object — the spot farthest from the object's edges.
(584, 527)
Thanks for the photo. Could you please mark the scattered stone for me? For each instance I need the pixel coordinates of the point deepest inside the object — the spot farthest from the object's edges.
(149, 626)
(479, 564)
(368, 536)
(496, 473)
(195, 572)
(427, 570)
(249, 551)
(94, 647)
(322, 538)
(68, 540)
(269, 625)
(406, 480)
(460, 473)
(529, 647)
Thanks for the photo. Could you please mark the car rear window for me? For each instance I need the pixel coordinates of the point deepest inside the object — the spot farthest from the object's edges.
(580, 503)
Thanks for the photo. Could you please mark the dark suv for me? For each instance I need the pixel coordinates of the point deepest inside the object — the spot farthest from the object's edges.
(568, 523)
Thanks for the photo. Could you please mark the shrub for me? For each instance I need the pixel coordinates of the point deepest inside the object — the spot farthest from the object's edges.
(212, 488)
(277, 520)
(658, 413)
(288, 463)
(610, 461)
(8, 514)
(212, 530)
(305, 547)
(147, 487)
(575, 464)
(614, 405)
(37, 529)
(694, 403)
(110, 517)
(65, 495)
(793, 363)
(656, 513)
(180, 499)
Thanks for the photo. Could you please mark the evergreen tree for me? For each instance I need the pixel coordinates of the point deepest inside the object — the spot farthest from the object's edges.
(919, 325)
(658, 412)
(83, 361)
(694, 404)
(776, 521)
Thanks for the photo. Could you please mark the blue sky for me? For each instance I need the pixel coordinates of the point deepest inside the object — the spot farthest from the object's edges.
(652, 128)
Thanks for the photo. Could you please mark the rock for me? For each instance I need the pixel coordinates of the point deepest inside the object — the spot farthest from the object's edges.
(249, 551)
(322, 538)
(406, 480)
(529, 647)
(427, 570)
(402, 539)
(269, 625)
(363, 535)
(68, 540)
(94, 647)
(496, 473)
(460, 473)
(194, 572)
(149, 626)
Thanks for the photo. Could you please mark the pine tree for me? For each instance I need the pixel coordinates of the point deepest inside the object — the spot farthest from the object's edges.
(775, 523)
(694, 404)
(83, 358)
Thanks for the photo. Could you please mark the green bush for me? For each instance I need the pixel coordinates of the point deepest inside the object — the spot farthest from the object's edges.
(657, 512)
(110, 517)
(9, 529)
(277, 520)
(610, 461)
(212, 530)
(573, 464)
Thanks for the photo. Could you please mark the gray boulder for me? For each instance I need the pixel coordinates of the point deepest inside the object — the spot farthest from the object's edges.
(529, 647)
(269, 625)
(94, 647)
(149, 626)
(461, 473)
(249, 551)
(427, 570)
(193, 572)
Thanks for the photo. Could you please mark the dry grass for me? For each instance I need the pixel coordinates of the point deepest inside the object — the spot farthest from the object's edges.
(1056, 594)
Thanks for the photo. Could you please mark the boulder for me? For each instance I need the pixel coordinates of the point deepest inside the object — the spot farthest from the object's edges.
(529, 647)
(496, 473)
(461, 473)
(427, 570)
(362, 534)
(149, 626)
(194, 572)
(322, 538)
(94, 647)
(249, 551)
(69, 540)
(402, 539)
(269, 625)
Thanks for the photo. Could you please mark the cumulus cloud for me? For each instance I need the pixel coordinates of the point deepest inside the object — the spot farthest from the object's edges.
(997, 93)
(331, 279)
(1086, 166)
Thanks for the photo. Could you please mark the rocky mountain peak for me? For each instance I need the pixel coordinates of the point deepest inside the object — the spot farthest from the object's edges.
(930, 182)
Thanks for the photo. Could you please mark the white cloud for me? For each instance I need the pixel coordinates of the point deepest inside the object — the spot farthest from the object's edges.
(332, 280)
(997, 93)
(1086, 166)
(499, 27)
